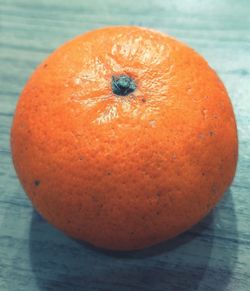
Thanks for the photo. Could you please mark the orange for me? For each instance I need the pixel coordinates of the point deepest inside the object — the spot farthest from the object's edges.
(124, 137)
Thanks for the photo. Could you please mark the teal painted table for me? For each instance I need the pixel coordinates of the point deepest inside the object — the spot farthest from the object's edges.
(215, 254)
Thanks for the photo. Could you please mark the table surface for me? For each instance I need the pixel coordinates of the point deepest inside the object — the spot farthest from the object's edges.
(215, 254)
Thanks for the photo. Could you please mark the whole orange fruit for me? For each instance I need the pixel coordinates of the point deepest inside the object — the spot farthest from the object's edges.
(124, 137)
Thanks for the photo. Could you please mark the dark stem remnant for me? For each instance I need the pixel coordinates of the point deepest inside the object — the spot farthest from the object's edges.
(123, 85)
(37, 182)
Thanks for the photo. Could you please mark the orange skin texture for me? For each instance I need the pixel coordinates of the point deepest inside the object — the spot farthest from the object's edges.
(124, 172)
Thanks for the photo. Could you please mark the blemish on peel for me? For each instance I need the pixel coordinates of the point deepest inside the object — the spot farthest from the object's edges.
(214, 189)
(201, 136)
(37, 182)
(173, 157)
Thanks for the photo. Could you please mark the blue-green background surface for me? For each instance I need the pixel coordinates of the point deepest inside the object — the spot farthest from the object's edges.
(215, 254)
